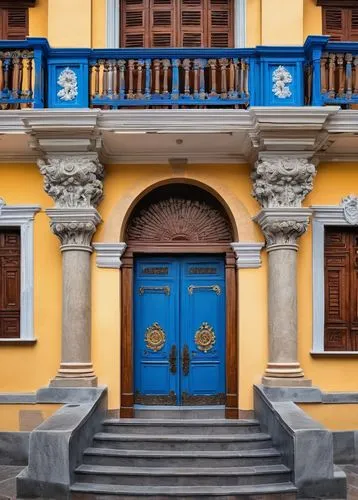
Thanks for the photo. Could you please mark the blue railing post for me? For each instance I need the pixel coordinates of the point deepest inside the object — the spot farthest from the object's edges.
(40, 74)
(314, 46)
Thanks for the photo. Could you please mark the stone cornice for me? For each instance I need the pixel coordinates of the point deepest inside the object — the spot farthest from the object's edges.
(108, 255)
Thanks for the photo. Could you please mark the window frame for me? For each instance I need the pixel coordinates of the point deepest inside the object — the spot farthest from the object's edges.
(322, 216)
(22, 216)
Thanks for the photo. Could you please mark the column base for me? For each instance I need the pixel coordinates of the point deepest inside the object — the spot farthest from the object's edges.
(286, 382)
(75, 375)
(284, 370)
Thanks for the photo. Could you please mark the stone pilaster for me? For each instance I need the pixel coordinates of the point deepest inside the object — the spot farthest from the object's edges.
(280, 185)
(75, 184)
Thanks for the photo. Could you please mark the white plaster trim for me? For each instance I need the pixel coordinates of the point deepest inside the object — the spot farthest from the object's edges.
(23, 216)
(112, 23)
(324, 215)
(240, 23)
(248, 254)
(109, 254)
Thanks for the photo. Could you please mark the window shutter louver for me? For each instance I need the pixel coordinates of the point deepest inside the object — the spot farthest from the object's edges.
(353, 25)
(134, 21)
(14, 23)
(162, 27)
(334, 23)
(220, 24)
(192, 17)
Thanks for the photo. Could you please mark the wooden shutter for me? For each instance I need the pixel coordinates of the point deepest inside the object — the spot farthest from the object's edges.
(352, 20)
(220, 23)
(134, 17)
(192, 23)
(162, 23)
(9, 283)
(14, 23)
(335, 23)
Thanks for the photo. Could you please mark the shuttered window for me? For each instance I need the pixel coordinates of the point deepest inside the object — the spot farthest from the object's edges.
(341, 23)
(341, 289)
(174, 23)
(13, 23)
(9, 283)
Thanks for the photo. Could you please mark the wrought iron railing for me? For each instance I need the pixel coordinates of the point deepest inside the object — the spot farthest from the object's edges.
(32, 74)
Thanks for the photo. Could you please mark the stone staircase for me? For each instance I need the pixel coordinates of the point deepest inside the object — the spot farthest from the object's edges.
(172, 458)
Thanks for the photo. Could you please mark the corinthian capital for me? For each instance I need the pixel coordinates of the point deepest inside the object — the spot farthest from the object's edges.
(74, 227)
(282, 181)
(72, 181)
(283, 227)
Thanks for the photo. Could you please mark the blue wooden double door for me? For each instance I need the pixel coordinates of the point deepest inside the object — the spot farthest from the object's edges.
(179, 330)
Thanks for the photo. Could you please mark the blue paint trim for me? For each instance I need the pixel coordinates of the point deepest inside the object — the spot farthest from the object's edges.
(262, 61)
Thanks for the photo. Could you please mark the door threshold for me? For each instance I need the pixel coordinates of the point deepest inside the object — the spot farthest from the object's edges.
(180, 412)
(178, 408)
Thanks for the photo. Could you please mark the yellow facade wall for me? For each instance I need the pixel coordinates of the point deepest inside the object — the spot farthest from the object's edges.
(282, 22)
(312, 18)
(253, 23)
(25, 368)
(99, 24)
(335, 417)
(38, 19)
(69, 23)
(24, 417)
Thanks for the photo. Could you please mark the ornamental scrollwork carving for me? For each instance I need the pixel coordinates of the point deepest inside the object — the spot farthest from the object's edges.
(282, 181)
(154, 337)
(67, 80)
(281, 78)
(73, 182)
(350, 209)
(205, 337)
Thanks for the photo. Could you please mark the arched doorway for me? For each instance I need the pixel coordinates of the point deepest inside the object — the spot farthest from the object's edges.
(179, 341)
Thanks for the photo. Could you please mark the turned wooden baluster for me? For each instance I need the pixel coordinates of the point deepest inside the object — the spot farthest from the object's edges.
(175, 79)
(110, 81)
(212, 66)
(348, 58)
(331, 75)
(231, 92)
(15, 75)
(156, 69)
(166, 66)
(130, 94)
(324, 60)
(341, 76)
(246, 69)
(223, 62)
(237, 76)
(96, 68)
(186, 67)
(140, 64)
(6, 69)
(121, 63)
(202, 64)
(355, 75)
(29, 69)
(105, 78)
(196, 64)
(1, 73)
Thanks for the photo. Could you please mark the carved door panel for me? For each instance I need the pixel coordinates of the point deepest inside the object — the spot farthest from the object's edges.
(179, 325)
(9, 283)
(203, 331)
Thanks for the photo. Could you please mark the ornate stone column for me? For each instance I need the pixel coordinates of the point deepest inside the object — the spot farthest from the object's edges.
(75, 184)
(280, 184)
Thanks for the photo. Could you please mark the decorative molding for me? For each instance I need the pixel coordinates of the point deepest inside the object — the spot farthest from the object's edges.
(23, 216)
(350, 209)
(282, 227)
(282, 181)
(67, 79)
(73, 182)
(113, 23)
(109, 255)
(323, 215)
(178, 219)
(74, 227)
(248, 254)
(281, 78)
(240, 23)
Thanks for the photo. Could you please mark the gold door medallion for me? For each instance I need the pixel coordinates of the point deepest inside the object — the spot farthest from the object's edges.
(205, 337)
(154, 337)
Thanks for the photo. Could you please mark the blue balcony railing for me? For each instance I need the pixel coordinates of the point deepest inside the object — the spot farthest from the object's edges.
(34, 75)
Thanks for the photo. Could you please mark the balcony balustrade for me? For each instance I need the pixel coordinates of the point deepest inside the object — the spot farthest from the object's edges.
(34, 75)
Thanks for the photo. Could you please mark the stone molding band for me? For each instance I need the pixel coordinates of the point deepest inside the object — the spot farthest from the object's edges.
(108, 255)
(248, 254)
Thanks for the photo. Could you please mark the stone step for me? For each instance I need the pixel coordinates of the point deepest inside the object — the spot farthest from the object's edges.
(92, 491)
(165, 458)
(180, 412)
(182, 442)
(178, 426)
(183, 476)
